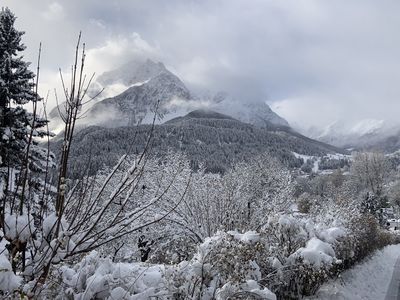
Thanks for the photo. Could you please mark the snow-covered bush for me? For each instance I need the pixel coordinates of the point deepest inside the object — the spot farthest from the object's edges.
(8, 280)
(97, 277)
(368, 236)
(304, 203)
(224, 265)
(241, 200)
(301, 255)
(291, 256)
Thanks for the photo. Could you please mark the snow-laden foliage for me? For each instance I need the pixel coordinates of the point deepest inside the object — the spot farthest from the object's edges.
(17, 227)
(8, 280)
(199, 278)
(98, 277)
(316, 253)
(241, 200)
(227, 265)
(204, 243)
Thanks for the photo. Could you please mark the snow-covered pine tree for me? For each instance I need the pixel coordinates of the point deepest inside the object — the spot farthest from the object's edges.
(16, 87)
(18, 150)
(22, 192)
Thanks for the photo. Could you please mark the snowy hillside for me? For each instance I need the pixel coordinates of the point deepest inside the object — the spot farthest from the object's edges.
(205, 136)
(369, 134)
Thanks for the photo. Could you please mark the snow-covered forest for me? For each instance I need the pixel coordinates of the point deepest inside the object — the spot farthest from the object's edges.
(240, 219)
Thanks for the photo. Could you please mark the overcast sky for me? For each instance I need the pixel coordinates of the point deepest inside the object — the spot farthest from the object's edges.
(314, 62)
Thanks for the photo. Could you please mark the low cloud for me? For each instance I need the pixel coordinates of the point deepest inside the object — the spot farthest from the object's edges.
(119, 50)
(187, 105)
(315, 62)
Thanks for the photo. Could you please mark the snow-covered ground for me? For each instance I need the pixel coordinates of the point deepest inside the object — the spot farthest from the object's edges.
(368, 280)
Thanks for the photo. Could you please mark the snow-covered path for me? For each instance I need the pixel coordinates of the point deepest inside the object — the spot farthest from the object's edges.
(393, 292)
(370, 280)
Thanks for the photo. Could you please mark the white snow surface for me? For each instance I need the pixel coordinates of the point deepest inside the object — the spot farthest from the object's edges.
(17, 226)
(316, 253)
(368, 280)
(97, 277)
(303, 156)
(331, 235)
(249, 237)
(367, 126)
(229, 289)
(8, 280)
(49, 223)
(316, 160)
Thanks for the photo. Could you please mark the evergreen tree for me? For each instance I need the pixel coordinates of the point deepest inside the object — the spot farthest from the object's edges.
(19, 152)
(16, 89)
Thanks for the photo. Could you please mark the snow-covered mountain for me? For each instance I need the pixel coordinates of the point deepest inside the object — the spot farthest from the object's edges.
(129, 95)
(366, 134)
(143, 86)
(133, 91)
(257, 113)
(152, 88)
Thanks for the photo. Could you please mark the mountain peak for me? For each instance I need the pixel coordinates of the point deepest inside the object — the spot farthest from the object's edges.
(148, 85)
(133, 72)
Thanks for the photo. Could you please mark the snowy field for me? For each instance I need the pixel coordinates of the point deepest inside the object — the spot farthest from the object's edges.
(368, 280)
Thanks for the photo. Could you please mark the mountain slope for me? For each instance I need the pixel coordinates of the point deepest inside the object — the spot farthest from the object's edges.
(206, 137)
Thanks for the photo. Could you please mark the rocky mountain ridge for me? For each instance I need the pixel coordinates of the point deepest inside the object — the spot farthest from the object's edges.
(149, 88)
